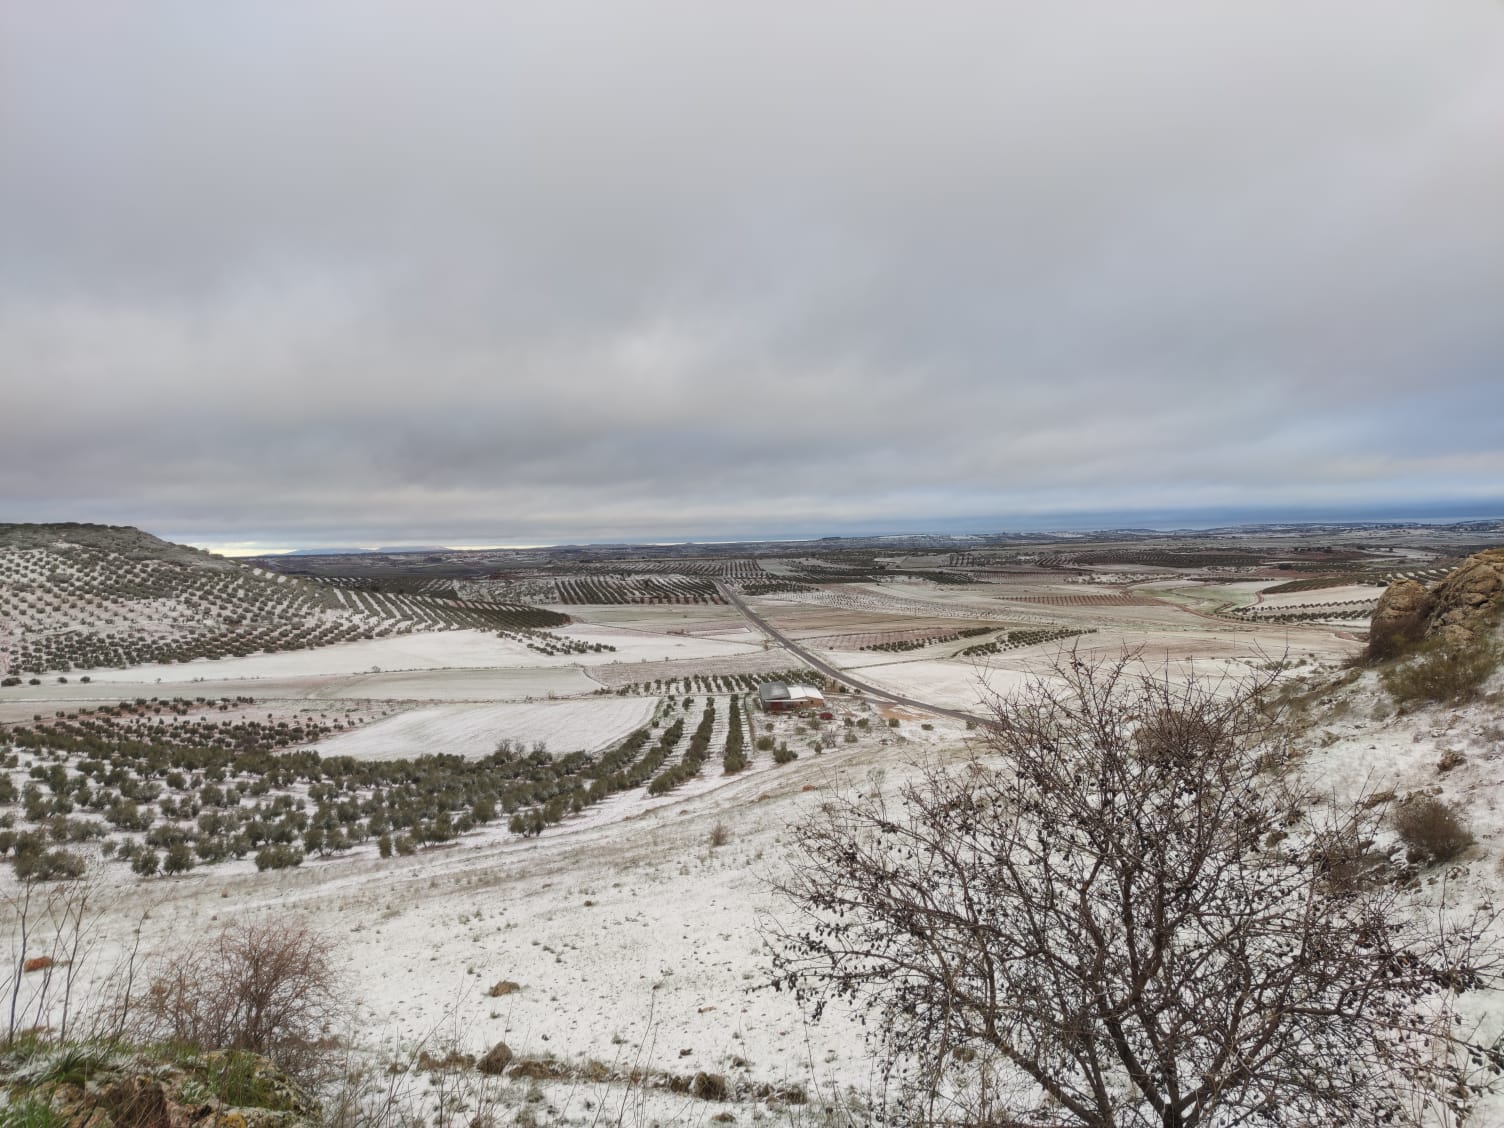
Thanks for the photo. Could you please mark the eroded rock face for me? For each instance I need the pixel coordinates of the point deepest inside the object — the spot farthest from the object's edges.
(1400, 619)
(1470, 600)
(1467, 603)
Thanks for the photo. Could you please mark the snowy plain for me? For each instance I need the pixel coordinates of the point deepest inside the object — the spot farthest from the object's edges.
(632, 939)
(582, 725)
(467, 649)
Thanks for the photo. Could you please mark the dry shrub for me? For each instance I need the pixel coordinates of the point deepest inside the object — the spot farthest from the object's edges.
(268, 988)
(709, 1087)
(1443, 674)
(720, 834)
(1450, 758)
(787, 1094)
(1348, 863)
(1389, 639)
(1431, 830)
(539, 1069)
(594, 1070)
(497, 1058)
(451, 1062)
(1174, 733)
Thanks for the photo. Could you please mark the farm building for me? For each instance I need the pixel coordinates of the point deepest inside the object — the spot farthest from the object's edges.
(777, 697)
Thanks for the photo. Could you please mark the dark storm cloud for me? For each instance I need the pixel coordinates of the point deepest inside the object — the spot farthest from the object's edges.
(300, 272)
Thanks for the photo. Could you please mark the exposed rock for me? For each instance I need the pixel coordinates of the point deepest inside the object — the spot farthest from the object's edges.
(145, 1094)
(497, 1058)
(1468, 602)
(1399, 620)
(141, 1099)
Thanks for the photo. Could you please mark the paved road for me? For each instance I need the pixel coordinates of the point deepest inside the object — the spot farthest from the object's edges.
(835, 672)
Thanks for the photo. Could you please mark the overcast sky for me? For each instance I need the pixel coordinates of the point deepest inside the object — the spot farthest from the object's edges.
(372, 273)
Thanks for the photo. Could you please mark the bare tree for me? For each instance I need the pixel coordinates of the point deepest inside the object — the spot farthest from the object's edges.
(271, 988)
(1121, 913)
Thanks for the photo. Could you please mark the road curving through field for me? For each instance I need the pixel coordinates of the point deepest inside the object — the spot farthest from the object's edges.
(838, 674)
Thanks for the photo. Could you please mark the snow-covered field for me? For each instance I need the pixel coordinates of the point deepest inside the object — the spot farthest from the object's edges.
(636, 943)
(518, 683)
(633, 941)
(1350, 593)
(514, 684)
(660, 646)
(442, 650)
(767, 661)
(438, 650)
(584, 725)
(953, 684)
(880, 600)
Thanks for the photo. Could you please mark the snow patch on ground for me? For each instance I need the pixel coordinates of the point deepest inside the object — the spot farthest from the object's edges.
(429, 651)
(646, 646)
(472, 731)
(440, 650)
(950, 684)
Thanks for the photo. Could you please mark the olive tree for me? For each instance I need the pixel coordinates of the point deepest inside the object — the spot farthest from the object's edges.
(1122, 911)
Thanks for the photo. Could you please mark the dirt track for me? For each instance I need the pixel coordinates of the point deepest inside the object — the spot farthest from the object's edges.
(840, 675)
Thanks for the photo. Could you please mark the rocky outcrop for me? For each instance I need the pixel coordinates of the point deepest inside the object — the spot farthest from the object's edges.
(1459, 610)
(137, 1093)
(1399, 620)
(1469, 601)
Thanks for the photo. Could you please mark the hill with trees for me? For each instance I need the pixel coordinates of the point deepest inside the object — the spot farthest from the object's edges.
(79, 597)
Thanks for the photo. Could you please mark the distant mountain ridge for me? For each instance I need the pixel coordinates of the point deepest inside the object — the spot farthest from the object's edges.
(387, 550)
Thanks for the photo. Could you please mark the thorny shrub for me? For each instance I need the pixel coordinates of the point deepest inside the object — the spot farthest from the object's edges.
(1442, 673)
(1432, 830)
(270, 988)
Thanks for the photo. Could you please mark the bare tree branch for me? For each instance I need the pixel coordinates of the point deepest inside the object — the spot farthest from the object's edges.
(1121, 913)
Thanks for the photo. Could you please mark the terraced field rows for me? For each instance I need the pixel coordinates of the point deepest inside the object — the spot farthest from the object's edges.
(897, 605)
(1317, 583)
(80, 607)
(1014, 640)
(667, 589)
(773, 587)
(689, 685)
(737, 569)
(1305, 612)
(175, 784)
(1093, 599)
(892, 640)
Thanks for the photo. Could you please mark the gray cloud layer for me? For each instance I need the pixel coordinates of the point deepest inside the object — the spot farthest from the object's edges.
(373, 271)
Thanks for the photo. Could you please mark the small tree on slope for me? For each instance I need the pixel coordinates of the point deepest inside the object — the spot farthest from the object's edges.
(1121, 914)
